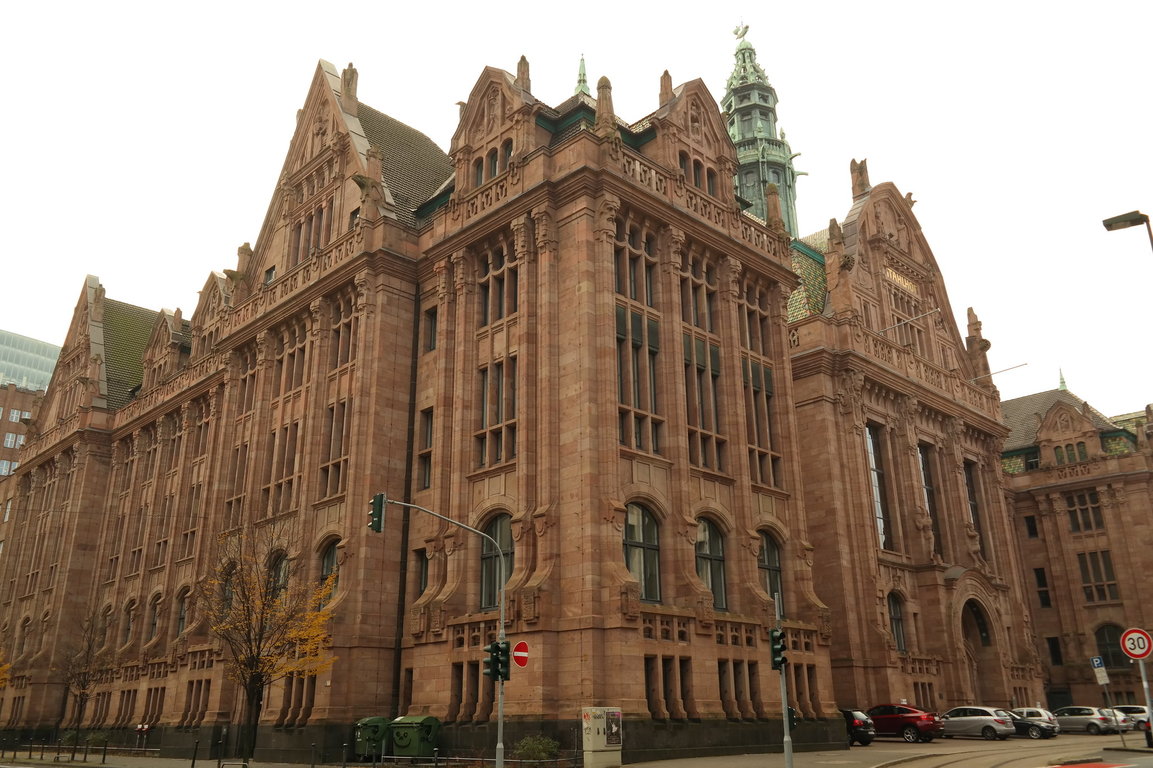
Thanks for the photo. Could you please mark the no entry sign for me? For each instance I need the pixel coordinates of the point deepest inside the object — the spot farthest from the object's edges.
(520, 654)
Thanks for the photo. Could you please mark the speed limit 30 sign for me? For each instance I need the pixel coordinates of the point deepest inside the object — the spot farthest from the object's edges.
(1136, 643)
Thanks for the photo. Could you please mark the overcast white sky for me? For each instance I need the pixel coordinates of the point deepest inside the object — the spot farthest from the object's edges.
(144, 139)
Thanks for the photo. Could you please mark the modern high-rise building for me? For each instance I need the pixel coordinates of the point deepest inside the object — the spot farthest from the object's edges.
(568, 333)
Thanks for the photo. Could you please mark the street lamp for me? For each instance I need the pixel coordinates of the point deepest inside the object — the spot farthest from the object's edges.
(500, 636)
(1131, 219)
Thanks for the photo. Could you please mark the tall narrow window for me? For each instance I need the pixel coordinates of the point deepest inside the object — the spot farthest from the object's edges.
(153, 617)
(973, 493)
(1098, 581)
(129, 622)
(182, 611)
(497, 283)
(769, 563)
(329, 564)
(929, 492)
(1042, 580)
(643, 551)
(500, 530)
(873, 447)
(424, 451)
(277, 575)
(1056, 657)
(702, 367)
(897, 621)
(430, 329)
(497, 404)
(711, 561)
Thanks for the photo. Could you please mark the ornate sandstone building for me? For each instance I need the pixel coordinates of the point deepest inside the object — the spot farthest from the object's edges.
(569, 334)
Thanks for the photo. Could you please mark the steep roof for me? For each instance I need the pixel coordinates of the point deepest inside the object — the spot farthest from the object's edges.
(414, 167)
(1023, 415)
(127, 329)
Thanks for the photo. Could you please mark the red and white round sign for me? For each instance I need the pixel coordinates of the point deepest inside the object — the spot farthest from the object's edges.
(1136, 643)
(520, 654)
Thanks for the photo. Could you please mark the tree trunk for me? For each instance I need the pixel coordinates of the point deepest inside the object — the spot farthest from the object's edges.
(253, 698)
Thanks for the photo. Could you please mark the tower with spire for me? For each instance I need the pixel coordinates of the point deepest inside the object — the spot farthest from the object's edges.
(763, 157)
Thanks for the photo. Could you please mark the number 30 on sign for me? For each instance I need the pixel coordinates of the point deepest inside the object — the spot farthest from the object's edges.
(1136, 643)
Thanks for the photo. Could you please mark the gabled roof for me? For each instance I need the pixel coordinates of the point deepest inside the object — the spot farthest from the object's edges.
(1023, 415)
(127, 329)
(414, 167)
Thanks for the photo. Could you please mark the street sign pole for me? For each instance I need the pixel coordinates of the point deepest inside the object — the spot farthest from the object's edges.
(787, 737)
(500, 635)
(1137, 645)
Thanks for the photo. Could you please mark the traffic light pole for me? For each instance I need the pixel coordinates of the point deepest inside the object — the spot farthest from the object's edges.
(500, 636)
(786, 721)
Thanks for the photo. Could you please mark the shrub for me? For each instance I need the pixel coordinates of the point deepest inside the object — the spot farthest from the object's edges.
(536, 747)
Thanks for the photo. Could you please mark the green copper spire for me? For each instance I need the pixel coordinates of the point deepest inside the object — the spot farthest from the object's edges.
(1061, 386)
(582, 80)
(763, 157)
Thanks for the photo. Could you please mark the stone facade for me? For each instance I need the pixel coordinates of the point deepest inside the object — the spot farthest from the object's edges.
(901, 442)
(552, 335)
(1082, 490)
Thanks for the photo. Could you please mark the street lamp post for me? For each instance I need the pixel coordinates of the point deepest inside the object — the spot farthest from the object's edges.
(500, 637)
(1131, 219)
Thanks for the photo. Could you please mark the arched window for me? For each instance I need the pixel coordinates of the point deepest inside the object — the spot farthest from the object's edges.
(492, 164)
(277, 575)
(129, 622)
(153, 617)
(505, 154)
(684, 163)
(329, 565)
(897, 620)
(227, 591)
(711, 561)
(500, 529)
(643, 551)
(1059, 454)
(182, 611)
(478, 172)
(711, 181)
(1108, 638)
(769, 563)
(1082, 452)
(698, 172)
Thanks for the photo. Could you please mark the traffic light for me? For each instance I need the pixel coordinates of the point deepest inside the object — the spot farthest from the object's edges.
(777, 646)
(376, 512)
(793, 719)
(496, 665)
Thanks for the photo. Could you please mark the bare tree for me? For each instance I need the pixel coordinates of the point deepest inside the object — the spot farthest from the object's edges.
(267, 616)
(83, 659)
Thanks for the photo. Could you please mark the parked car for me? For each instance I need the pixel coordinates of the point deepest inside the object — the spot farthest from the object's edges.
(1034, 729)
(1043, 716)
(1092, 720)
(1138, 714)
(859, 727)
(987, 722)
(910, 723)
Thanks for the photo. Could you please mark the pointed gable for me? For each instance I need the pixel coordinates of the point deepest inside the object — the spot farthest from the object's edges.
(1052, 416)
(496, 126)
(346, 163)
(167, 348)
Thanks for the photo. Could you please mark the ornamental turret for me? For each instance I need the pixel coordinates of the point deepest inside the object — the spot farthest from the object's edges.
(763, 157)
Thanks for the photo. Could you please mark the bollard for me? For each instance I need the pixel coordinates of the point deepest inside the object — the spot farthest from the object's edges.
(195, 749)
(344, 756)
(59, 746)
(219, 752)
(436, 757)
(42, 748)
(86, 751)
(29, 749)
(313, 755)
(104, 754)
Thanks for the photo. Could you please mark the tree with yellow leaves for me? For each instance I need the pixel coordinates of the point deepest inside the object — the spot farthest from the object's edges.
(269, 619)
(5, 670)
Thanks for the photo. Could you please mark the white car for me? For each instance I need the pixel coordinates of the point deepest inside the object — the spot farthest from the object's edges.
(987, 722)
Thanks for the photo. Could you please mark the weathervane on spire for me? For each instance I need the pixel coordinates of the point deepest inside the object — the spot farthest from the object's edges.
(741, 30)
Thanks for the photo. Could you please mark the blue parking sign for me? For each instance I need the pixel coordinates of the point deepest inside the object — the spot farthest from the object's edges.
(1097, 662)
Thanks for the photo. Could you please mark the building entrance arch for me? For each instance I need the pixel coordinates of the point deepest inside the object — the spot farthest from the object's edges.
(981, 655)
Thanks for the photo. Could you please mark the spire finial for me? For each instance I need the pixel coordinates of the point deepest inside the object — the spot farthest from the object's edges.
(1061, 386)
(582, 80)
(741, 30)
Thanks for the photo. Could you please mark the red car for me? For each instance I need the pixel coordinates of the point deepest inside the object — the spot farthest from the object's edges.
(910, 723)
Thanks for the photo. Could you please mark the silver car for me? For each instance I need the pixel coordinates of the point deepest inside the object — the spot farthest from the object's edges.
(1092, 720)
(987, 722)
(1139, 715)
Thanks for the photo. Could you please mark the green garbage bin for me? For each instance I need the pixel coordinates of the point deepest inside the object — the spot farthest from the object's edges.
(370, 737)
(414, 736)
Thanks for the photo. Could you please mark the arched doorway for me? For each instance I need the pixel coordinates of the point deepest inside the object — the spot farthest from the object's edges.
(984, 671)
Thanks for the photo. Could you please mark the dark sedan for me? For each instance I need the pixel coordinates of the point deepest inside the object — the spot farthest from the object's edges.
(859, 727)
(1034, 729)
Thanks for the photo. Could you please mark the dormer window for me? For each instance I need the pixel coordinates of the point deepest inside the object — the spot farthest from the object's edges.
(269, 275)
(505, 154)
(493, 168)
(478, 172)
